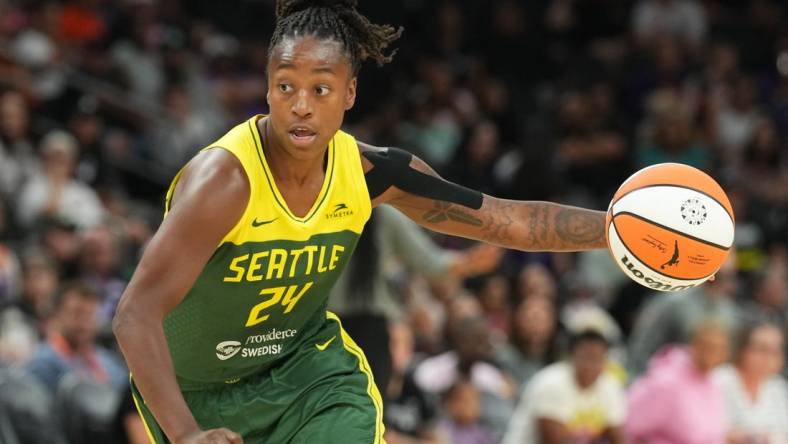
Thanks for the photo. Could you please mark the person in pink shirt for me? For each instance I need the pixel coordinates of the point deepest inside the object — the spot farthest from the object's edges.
(676, 401)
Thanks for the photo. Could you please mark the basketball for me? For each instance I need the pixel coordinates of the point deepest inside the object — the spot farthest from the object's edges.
(669, 227)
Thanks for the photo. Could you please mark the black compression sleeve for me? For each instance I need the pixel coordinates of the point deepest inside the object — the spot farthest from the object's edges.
(392, 168)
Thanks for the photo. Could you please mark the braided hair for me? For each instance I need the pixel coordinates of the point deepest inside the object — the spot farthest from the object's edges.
(337, 20)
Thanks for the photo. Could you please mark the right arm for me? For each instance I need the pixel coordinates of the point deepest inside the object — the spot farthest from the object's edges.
(552, 432)
(209, 199)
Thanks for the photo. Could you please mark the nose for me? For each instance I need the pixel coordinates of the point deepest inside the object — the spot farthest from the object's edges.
(302, 106)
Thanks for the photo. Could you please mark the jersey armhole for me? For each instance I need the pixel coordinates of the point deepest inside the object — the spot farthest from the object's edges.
(176, 179)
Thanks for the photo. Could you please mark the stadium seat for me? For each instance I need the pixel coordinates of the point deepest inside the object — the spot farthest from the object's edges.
(26, 411)
(87, 410)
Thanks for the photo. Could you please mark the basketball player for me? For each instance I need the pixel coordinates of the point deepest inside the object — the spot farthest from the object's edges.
(224, 325)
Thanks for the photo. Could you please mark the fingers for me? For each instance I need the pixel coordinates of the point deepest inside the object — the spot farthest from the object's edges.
(230, 437)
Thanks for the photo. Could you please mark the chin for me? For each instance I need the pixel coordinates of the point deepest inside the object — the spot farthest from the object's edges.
(306, 151)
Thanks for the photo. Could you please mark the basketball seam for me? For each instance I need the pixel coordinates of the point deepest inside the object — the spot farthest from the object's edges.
(623, 242)
(724, 208)
(672, 230)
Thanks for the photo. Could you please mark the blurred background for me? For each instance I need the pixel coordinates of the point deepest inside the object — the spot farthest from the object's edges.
(102, 101)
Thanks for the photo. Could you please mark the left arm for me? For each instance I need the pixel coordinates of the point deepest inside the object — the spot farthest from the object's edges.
(409, 184)
(615, 435)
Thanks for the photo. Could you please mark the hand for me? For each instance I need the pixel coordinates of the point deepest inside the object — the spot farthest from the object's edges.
(215, 436)
(479, 259)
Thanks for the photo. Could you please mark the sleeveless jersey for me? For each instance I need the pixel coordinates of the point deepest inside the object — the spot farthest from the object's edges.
(265, 289)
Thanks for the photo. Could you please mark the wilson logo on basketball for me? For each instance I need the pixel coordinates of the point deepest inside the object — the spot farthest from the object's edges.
(649, 282)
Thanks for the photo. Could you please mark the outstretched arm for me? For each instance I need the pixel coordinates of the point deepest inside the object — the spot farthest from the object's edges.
(409, 184)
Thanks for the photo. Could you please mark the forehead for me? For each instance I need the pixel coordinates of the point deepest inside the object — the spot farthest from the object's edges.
(766, 333)
(302, 51)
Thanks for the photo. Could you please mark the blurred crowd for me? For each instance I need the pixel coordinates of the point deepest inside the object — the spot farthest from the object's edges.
(102, 101)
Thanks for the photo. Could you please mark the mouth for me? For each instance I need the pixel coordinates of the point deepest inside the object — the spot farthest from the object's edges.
(302, 135)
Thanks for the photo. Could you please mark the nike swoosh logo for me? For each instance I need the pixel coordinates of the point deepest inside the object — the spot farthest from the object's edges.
(256, 223)
(323, 346)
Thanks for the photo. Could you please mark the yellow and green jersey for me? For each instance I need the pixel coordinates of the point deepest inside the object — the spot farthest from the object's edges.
(265, 289)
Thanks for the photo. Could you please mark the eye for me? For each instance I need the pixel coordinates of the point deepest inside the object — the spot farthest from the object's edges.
(322, 90)
(285, 88)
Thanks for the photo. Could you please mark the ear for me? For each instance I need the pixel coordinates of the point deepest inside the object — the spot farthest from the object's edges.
(350, 95)
(268, 97)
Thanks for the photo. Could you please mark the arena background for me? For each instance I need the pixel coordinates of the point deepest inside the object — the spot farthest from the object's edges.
(101, 102)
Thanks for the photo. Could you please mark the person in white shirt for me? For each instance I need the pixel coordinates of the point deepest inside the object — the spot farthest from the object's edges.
(756, 397)
(572, 401)
(54, 192)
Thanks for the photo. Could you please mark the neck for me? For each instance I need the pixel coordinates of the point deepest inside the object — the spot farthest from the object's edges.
(283, 165)
(751, 382)
(533, 350)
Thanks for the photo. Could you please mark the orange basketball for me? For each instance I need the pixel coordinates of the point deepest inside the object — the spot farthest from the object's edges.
(670, 227)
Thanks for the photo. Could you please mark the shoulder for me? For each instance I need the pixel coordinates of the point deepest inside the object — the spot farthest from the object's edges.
(369, 154)
(217, 175)
(554, 376)
(45, 358)
(608, 384)
(724, 375)
(777, 384)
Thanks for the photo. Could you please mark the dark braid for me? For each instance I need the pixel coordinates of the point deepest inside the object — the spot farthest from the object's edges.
(337, 20)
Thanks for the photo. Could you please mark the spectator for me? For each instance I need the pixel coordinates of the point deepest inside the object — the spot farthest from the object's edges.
(588, 147)
(462, 423)
(61, 241)
(184, 131)
(88, 126)
(54, 191)
(572, 401)
(39, 282)
(494, 296)
(17, 159)
(736, 120)
(9, 264)
(674, 141)
(432, 133)
(533, 343)
(471, 340)
(409, 414)
(756, 397)
(138, 54)
(677, 401)
(474, 164)
(99, 268)
(363, 296)
(535, 279)
(769, 292)
(71, 347)
(684, 20)
(669, 318)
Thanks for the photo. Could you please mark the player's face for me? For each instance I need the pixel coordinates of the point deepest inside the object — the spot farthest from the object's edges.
(310, 86)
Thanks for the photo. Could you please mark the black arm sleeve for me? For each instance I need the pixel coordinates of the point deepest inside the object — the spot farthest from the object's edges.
(392, 168)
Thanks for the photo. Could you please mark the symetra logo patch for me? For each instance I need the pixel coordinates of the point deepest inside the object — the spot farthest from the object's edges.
(340, 210)
(227, 349)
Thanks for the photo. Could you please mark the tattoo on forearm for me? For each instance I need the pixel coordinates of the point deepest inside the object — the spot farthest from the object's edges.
(444, 211)
(538, 225)
(578, 227)
(535, 226)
